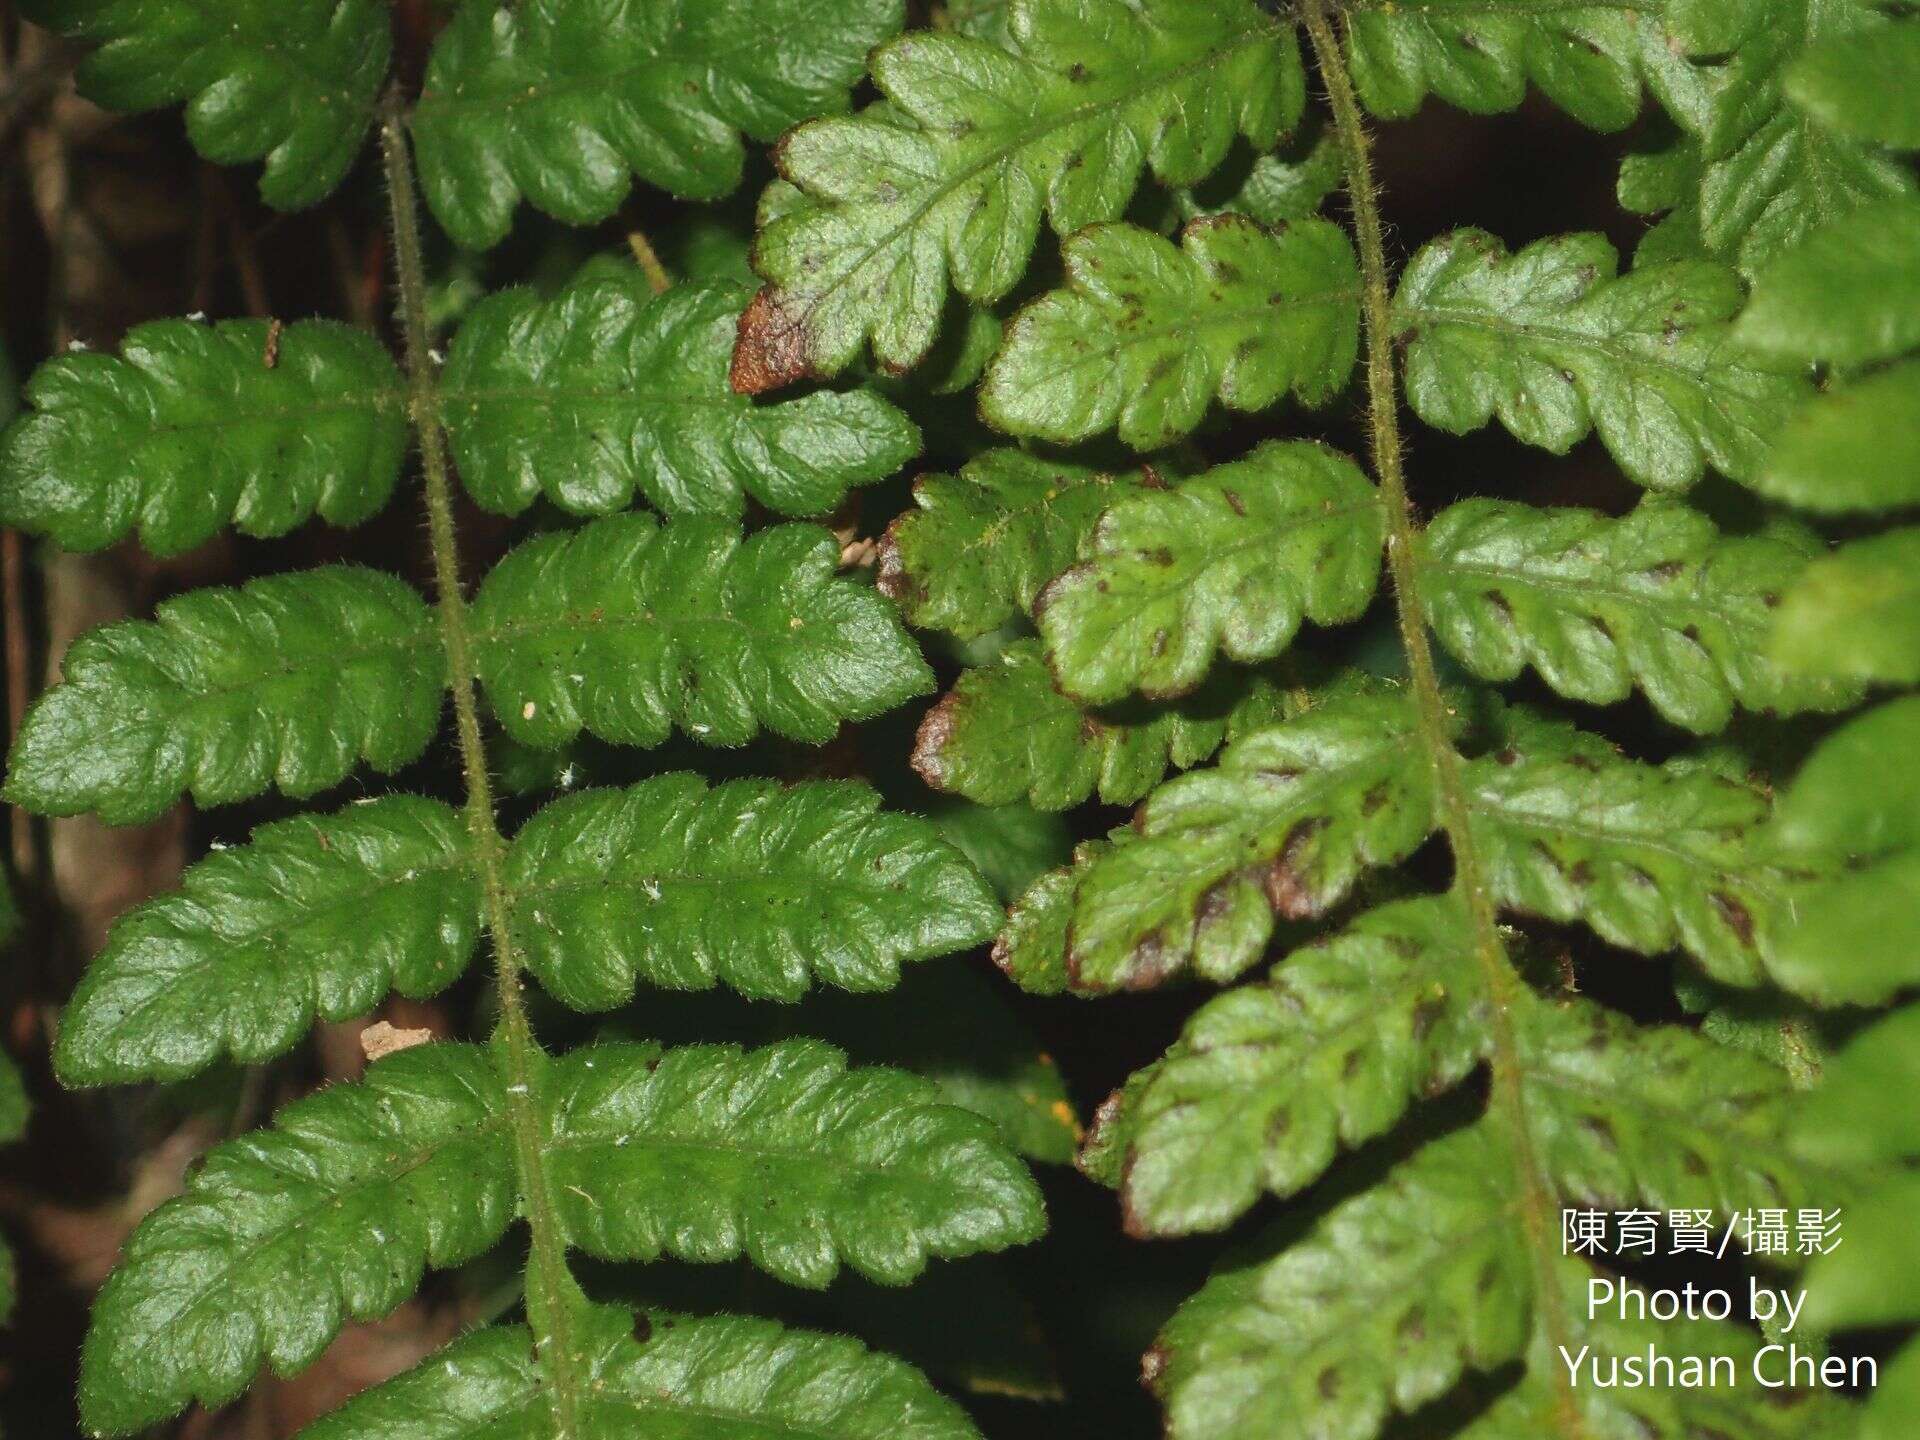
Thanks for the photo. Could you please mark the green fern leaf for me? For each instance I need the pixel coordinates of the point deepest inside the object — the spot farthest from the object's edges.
(1658, 1117)
(605, 390)
(1279, 187)
(763, 888)
(1145, 336)
(980, 545)
(287, 681)
(1387, 1300)
(1232, 560)
(1769, 175)
(1651, 857)
(317, 916)
(1658, 599)
(1537, 1406)
(1863, 85)
(686, 625)
(1861, 1115)
(1284, 823)
(1854, 614)
(290, 81)
(285, 1235)
(1005, 734)
(1854, 939)
(1267, 1082)
(192, 428)
(562, 102)
(1551, 342)
(946, 182)
(1849, 295)
(1031, 949)
(780, 1154)
(1480, 55)
(720, 1378)
(1855, 448)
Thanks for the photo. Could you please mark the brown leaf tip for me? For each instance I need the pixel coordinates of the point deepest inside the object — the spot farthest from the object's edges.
(770, 348)
(381, 1039)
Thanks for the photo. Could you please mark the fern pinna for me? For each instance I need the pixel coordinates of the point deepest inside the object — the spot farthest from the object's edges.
(1205, 608)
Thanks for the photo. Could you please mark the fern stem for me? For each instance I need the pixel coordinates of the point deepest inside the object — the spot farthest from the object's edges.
(1505, 990)
(551, 1291)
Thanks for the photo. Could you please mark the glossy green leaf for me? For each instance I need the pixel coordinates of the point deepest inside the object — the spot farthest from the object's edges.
(605, 390)
(979, 546)
(1866, 86)
(1279, 187)
(1481, 55)
(1555, 345)
(1769, 175)
(316, 916)
(1229, 562)
(292, 82)
(288, 681)
(195, 427)
(1872, 1278)
(1651, 857)
(1657, 1116)
(954, 1023)
(1145, 336)
(1850, 294)
(628, 628)
(285, 1235)
(1282, 825)
(727, 1377)
(1031, 949)
(1005, 734)
(1380, 1308)
(563, 102)
(1658, 600)
(762, 888)
(945, 183)
(781, 1154)
(1268, 1082)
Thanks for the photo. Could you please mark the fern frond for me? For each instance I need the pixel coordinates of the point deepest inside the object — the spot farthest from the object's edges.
(1031, 949)
(1652, 857)
(981, 544)
(1232, 560)
(1848, 295)
(292, 82)
(1282, 824)
(782, 1155)
(563, 102)
(1861, 85)
(762, 888)
(195, 427)
(1145, 336)
(686, 626)
(1769, 175)
(1005, 733)
(1269, 1081)
(1480, 55)
(604, 390)
(1854, 939)
(289, 681)
(283, 1236)
(1658, 599)
(945, 183)
(725, 1377)
(318, 916)
(1381, 1307)
(1556, 345)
